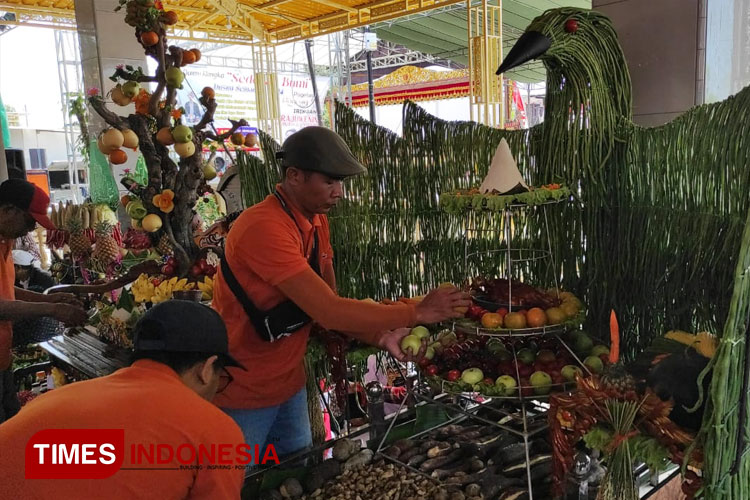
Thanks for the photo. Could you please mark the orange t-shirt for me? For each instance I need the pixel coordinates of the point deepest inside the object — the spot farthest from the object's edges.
(275, 371)
(7, 292)
(152, 405)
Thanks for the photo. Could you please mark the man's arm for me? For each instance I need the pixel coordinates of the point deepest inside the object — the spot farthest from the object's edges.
(53, 298)
(329, 275)
(315, 297)
(14, 310)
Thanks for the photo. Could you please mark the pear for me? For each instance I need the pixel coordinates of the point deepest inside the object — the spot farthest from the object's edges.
(174, 77)
(185, 149)
(131, 89)
(182, 134)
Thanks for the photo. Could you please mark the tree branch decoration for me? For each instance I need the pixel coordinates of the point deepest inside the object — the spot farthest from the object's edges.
(154, 127)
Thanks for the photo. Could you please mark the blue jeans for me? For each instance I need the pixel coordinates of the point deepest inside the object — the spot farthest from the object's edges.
(285, 426)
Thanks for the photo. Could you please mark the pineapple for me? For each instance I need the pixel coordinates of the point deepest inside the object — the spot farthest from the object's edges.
(164, 247)
(617, 378)
(106, 250)
(80, 245)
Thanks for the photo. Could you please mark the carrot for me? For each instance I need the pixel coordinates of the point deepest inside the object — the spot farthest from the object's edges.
(614, 334)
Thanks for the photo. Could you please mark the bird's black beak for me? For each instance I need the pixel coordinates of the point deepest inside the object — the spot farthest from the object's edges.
(531, 45)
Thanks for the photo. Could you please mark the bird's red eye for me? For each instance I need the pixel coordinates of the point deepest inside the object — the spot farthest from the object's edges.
(571, 25)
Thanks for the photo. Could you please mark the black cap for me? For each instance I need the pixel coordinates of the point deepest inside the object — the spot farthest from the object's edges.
(319, 149)
(29, 198)
(183, 326)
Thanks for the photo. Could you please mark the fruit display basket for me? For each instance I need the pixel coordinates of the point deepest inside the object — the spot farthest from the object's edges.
(472, 328)
(515, 367)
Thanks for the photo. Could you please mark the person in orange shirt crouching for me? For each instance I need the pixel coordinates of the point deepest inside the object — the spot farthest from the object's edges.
(162, 401)
(277, 277)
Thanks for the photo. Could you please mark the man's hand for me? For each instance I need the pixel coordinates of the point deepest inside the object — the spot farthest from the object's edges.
(391, 341)
(439, 305)
(69, 314)
(64, 298)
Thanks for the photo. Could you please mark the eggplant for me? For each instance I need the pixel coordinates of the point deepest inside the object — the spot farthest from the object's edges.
(514, 494)
(519, 468)
(510, 454)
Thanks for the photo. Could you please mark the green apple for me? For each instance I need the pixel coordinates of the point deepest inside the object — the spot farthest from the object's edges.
(130, 89)
(504, 356)
(569, 372)
(583, 344)
(437, 347)
(541, 382)
(420, 331)
(182, 134)
(526, 355)
(448, 339)
(174, 77)
(508, 384)
(472, 376)
(495, 347)
(598, 350)
(429, 352)
(594, 364)
(411, 344)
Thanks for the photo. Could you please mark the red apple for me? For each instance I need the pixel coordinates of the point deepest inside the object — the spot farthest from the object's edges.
(211, 271)
(424, 362)
(507, 368)
(502, 311)
(525, 370)
(522, 311)
(195, 270)
(167, 269)
(431, 370)
(453, 375)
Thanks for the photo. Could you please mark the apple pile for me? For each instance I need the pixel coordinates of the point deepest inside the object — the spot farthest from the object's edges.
(534, 317)
(507, 367)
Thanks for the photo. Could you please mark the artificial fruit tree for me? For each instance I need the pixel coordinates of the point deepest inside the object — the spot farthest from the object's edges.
(173, 188)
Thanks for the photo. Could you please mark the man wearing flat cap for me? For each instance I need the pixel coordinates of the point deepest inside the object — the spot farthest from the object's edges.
(277, 278)
(22, 206)
(163, 399)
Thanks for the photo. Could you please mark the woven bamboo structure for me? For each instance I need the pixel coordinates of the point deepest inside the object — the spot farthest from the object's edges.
(660, 231)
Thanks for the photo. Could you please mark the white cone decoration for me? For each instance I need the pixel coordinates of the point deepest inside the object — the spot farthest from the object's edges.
(503, 176)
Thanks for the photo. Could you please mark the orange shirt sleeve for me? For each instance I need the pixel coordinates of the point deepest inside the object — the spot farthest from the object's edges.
(315, 297)
(270, 249)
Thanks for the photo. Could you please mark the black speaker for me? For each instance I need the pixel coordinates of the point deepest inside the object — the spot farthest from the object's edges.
(16, 164)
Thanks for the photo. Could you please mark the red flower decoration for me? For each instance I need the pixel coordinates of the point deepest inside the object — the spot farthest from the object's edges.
(93, 91)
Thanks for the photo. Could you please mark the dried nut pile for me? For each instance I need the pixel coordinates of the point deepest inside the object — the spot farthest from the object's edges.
(382, 481)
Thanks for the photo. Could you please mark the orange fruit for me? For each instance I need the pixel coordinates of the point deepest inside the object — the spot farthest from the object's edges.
(536, 317)
(118, 157)
(514, 320)
(208, 93)
(569, 308)
(197, 54)
(555, 316)
(149, 38)
(169, 17)
(187, 57)
(125, 200)
(492, 320)
(237, 139)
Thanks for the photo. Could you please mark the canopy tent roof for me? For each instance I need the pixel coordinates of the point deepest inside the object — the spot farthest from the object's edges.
(443, 33)
(281, 21)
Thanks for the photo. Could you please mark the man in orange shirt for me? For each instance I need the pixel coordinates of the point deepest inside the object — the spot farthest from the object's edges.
(163, 398)
(277, 277)
(22, 206)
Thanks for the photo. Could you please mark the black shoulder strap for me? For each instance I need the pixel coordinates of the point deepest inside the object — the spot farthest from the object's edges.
(252, 312)
(314, 261)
